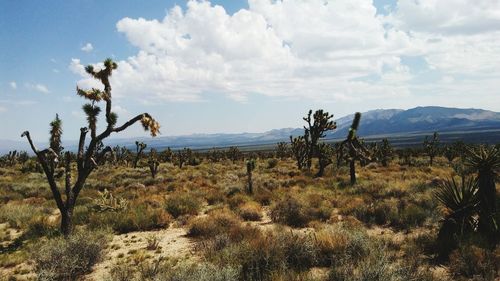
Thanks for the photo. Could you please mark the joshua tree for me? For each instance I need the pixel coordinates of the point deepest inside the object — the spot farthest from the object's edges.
(250, 168)
(139, 148)
(384, 152)
(282, 150)
(431, 147)
(234, 154)
(355, 148)
(167, 155)
(121, 155)
(182, 157)
(450, 153)
(12, 157)
(299, 150)
(153, 162)
(325, 154)
(321, 123)
(215, 155)
(87, 158)
(485, 160)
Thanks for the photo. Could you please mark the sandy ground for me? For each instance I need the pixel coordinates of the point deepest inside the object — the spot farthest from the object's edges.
(173, 242)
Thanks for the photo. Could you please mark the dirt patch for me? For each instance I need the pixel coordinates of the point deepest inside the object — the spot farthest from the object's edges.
(172, 242)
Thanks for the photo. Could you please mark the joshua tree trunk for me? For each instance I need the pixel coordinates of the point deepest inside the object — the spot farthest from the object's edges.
(487, 197)
(66, 221)
(352, 171)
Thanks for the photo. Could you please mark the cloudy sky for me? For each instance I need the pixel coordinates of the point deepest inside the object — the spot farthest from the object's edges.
(244, 66)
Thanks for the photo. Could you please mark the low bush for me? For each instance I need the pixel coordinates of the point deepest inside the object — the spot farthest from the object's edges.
(135, 218)
(472, 262)
(289, 211)
(262, 256)
(216, 222)
(271, 163)
(182, 204)
(69, 258)
(250, 211)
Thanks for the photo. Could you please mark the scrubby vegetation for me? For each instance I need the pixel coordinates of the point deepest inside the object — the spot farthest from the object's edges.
(398, 222)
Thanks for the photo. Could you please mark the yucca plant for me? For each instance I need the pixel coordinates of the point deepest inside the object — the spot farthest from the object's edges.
(460, 201)
(485, 160)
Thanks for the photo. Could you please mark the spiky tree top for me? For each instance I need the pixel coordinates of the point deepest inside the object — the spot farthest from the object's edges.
(484, 159)
(319, 124)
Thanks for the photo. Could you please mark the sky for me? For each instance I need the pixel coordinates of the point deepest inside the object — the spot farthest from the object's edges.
(243, 66)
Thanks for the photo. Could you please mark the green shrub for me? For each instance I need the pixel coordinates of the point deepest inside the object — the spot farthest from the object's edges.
(182, 204)
(69, 258)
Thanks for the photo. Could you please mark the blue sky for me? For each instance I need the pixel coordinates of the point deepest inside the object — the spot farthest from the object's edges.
(248, 66)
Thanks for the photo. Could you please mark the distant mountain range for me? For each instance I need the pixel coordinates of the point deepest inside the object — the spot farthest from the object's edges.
(475, 125)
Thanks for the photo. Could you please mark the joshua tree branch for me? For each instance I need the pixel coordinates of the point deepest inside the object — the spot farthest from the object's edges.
(50, 174)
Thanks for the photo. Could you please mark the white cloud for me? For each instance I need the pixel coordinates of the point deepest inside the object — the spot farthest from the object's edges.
(76, 67)
(13, 85)
(38, 87)
(2, 109)
(319, 50)
(87, 48)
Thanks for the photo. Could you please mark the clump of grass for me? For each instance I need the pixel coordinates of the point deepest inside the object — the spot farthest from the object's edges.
(69, 258)
(167, 270)
(179, 204)
(18, 215)
(152, 243)
(139, 217)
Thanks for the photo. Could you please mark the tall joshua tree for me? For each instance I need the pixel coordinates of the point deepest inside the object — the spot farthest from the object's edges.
(139, 148)
(486, 162)
(87, 158)
(316, 128)
(356, 150)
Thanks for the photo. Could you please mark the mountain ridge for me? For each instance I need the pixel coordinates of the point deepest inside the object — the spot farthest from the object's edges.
(377, 122)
